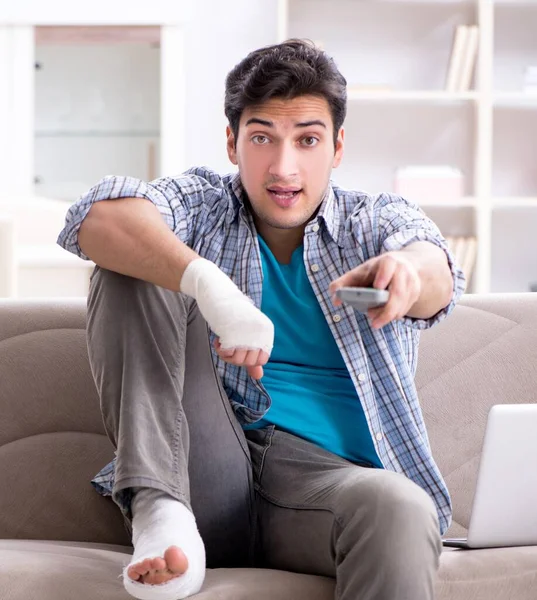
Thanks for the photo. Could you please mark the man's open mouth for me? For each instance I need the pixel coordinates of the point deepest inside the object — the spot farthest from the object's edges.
(284, 197)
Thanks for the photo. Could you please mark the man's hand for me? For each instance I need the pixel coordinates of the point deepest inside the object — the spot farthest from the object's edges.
(253, 360)
(394, 271)
(245, 334)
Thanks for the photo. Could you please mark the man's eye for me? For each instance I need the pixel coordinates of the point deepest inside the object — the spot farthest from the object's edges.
(260, 139)
(310, 141)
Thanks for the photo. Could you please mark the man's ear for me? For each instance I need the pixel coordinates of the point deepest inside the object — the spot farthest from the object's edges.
(231, 146)
(340, 143)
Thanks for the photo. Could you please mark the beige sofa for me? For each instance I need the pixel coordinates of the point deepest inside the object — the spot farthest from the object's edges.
(59, 540)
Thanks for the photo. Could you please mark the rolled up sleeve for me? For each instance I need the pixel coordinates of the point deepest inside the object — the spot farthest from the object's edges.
(179, 201)
(109, 188)
(400, 223)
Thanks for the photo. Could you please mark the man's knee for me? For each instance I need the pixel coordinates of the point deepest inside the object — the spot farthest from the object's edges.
(402, 502)
(110, 282)
(390, 510)
(116, 293)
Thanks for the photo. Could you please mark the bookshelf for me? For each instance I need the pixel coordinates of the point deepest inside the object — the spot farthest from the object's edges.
(396, 56)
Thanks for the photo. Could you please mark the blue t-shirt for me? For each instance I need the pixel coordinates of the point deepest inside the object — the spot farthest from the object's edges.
(312, 393)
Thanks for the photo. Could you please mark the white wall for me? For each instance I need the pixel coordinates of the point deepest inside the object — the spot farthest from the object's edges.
(220, 35)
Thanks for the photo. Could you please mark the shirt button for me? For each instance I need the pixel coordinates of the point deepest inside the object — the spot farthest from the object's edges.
(379, 436)
(315, 268)
(315, 228)
(336, 318)
(361, 377)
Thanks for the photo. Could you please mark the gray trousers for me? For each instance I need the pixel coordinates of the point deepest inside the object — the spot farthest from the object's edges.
(266, 498)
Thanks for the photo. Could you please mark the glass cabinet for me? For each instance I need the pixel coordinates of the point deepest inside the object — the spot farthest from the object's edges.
(81, 98)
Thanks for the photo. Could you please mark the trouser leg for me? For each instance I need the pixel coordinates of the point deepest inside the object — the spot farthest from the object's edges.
(375, 531)
(165, 410)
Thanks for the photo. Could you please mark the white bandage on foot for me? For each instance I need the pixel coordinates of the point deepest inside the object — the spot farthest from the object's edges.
(229, 313)
(160, 521)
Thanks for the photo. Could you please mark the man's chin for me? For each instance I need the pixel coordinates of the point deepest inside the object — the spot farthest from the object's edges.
(287, 221)
(268, 212)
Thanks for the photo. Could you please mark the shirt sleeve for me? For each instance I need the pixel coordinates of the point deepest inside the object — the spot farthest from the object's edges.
(180, 200)
(399, 223)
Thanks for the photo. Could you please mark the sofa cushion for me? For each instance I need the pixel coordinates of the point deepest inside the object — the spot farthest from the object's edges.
(33, 570)
(493, 573)
(64, 508)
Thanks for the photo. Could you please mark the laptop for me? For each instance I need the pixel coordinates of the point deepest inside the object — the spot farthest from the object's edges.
(504, 511)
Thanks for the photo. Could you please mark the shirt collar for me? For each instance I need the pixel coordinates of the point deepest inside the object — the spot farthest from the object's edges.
(237, 189)
(328, 212)
(329, 215)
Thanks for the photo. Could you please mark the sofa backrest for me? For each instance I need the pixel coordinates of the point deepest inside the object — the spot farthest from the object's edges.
(52, 439)
(485, 353)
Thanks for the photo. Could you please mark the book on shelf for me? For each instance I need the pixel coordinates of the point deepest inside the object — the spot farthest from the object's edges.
(455, 61)
(469, 60)
(464, 249)
(463, 58)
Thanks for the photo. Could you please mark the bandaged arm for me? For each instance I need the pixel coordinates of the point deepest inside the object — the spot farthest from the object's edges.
(129, 236)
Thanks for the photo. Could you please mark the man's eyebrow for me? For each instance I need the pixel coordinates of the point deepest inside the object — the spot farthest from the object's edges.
(259, 122)
(266, 123)
(310, 123)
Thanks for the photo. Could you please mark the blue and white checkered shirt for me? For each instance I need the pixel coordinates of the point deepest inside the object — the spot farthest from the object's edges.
(207, 212)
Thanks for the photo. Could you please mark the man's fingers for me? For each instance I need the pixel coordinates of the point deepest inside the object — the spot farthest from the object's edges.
(396, 306)
(251, 359)
(263, 357)
(226, 354)
(361, 276)
(385, 273)
(239, 356)
(373, 313)
(255, 372)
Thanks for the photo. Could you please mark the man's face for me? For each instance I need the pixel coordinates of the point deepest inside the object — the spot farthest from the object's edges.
(285, 154)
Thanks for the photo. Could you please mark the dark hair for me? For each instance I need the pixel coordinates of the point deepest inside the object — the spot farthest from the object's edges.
(287, 70)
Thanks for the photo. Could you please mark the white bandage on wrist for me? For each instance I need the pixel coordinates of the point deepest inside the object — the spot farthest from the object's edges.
(229, 313)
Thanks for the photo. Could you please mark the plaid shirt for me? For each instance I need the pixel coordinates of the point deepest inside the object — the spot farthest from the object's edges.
(208, 213)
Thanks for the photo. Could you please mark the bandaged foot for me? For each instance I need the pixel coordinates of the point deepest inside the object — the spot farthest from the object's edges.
(229, 313)
(169, 556)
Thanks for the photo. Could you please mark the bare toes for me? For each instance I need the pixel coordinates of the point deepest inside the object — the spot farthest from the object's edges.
(176, 560)
(148, 564)
(159, 564)
(133, 573)
(151, 564)
(160, 570)
(139, 570)
(159, 577)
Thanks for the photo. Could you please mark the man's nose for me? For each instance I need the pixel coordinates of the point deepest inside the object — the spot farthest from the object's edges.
(284, 164)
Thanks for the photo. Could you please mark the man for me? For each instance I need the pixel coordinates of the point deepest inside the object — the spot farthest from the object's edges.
(345, 484)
